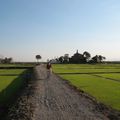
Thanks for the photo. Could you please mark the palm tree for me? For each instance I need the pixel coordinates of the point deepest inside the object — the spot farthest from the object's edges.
(86, 55)
(38, 57)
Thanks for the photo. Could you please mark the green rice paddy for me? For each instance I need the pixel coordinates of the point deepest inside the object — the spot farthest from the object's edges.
(12, 71)
(11, 81)
(96, 80)
(114, 76)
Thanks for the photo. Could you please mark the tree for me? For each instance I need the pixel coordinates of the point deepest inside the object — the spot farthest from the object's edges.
(66, 58)
(10, 60)
(6, 60)
(61, 59)
(86, 55)
(101, 58)
(98, 58)
(38, 57)
(95, 59)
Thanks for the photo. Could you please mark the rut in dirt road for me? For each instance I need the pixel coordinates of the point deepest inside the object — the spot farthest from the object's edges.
(53, 99)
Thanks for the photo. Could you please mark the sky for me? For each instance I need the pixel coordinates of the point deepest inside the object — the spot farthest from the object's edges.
(53, 28)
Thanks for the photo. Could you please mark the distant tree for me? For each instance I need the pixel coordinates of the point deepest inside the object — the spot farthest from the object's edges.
(7, 60)
(10, 60)
(98, 58)
(61, 59)
(87, 55)
(101, 58)
(66, 58)
(95, 59)
(57, 59)
(38, 57)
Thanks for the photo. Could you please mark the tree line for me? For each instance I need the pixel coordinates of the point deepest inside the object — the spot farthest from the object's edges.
(80, 58)
(6, 60)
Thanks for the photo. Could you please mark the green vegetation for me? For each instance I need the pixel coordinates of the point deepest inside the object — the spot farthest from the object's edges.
(113, 76)
(85, 68)
(5, 81)
(104, 90)
(8, 87)
(10, 82)
(12, 71)
(17, 65)
(88, 70)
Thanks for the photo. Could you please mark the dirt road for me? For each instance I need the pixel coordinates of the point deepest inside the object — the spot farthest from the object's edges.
(53, 99)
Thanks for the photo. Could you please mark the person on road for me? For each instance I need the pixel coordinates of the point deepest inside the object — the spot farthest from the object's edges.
(49, 69)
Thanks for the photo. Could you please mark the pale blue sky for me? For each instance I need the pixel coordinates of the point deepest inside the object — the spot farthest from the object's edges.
(52, 28)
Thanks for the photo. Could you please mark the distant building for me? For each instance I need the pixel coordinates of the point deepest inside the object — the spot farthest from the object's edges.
(77, 58)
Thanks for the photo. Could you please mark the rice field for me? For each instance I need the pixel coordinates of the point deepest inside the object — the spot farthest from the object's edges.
(11, 81)
(102, 81)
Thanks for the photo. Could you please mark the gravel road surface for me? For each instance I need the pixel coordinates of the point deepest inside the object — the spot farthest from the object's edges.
(55, 100)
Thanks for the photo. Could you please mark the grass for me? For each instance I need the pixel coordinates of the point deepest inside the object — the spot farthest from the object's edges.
(11, 71)
(86, 66)
(10, 84)
(5, 81)
(113, 76)
(6, 87)
(105, 91)
(17, 65)
(70, 70)
(81, 68)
